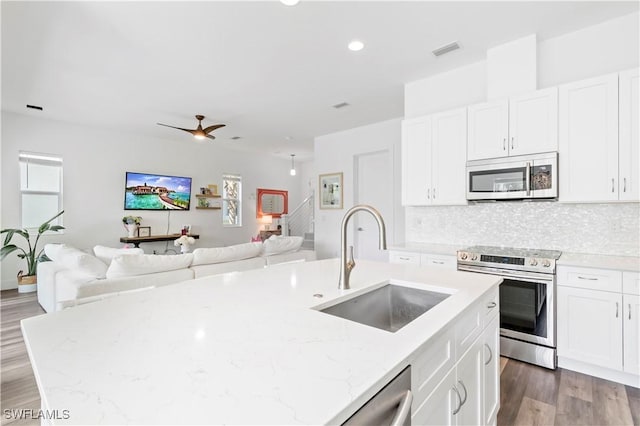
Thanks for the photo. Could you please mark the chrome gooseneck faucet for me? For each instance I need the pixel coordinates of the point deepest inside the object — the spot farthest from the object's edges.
(346, 266)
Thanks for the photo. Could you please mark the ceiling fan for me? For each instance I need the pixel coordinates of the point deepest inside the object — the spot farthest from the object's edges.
(199, 133)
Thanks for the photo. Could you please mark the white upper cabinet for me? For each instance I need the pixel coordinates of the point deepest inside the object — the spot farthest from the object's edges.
(524, 124)
(433, 160)
(588, 145)
(629, 156)
(416, 151)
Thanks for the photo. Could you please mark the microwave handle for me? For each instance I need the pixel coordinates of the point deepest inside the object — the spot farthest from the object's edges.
(528, 178)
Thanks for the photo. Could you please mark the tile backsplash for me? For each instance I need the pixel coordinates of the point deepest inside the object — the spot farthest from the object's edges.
(612, 229)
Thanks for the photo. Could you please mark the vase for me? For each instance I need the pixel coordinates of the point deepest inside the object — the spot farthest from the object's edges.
(26, 283)
(131, 229)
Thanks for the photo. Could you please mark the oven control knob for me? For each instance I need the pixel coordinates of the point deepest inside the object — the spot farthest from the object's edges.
(546, 263)
(463, 256)
(474, 256)
(533, 262)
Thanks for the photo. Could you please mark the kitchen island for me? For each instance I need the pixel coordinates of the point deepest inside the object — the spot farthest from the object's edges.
(238, 348)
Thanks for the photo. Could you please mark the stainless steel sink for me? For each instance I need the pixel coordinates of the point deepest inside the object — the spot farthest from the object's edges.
(389, 308)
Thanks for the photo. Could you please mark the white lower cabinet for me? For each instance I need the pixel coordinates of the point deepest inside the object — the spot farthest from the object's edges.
(598, 323)
(434, 260)
(460, 390)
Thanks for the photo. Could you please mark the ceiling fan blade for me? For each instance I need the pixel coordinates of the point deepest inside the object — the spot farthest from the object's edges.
(210, 137)
(212, 128)
(179, 128)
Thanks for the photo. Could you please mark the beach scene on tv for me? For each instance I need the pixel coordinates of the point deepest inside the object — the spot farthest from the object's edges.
(156, 192)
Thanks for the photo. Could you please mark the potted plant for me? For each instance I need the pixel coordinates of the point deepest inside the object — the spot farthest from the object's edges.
(26, 282)
(131, 224)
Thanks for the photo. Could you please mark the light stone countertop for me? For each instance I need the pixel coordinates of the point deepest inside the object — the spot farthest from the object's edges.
(601, 261)
(428, 248)
(238, 348)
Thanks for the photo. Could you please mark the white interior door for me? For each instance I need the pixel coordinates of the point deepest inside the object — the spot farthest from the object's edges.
(373, 186)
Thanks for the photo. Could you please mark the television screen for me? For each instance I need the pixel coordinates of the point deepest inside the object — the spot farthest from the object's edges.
(144, 191)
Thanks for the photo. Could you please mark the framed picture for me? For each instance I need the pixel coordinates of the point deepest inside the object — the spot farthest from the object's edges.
(331, 191)
(213, 189)
(144, 231)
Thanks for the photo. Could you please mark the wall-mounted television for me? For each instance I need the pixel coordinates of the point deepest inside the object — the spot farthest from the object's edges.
(145, 191)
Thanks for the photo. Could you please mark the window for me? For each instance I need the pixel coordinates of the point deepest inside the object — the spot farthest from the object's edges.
(40, 188)
(231, 200)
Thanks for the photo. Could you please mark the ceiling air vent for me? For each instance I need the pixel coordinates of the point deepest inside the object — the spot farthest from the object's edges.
(446, 49)
(39, 108)
(341, 105)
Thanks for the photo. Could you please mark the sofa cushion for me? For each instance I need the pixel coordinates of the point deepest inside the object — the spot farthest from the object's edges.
(76, 260)
(140, 264)
(277, 244)
(106, 254)
(204, 256)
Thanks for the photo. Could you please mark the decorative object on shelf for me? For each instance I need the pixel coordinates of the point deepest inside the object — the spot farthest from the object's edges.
(213, 189)
(265, 220)
(184, 242)
(199, 132)
(186, 230)
(144, 231)
(331, 191)
(131, 224)
(27, 282)
(274, 202)
(292, 172)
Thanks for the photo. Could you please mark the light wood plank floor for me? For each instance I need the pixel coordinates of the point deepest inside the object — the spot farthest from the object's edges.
(530, 395)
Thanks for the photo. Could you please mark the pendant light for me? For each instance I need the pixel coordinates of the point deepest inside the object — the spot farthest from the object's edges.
(292, 172)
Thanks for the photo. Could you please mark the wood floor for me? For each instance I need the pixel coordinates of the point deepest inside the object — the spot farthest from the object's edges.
(529, 395)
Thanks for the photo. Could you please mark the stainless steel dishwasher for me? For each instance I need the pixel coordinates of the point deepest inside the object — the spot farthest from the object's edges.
(390, 406)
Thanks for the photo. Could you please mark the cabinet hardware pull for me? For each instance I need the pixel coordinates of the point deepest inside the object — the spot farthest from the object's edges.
(457, 410)
(490, 355)
(491, 305)
(613, 184)
(404, 409)
(464, 400)
(428, 194)
(511, 142)
(624, 185)
(434, 193)
(404, 258)
(629, 310)
(504, 144)
(617, 310)
(438, 262)
(587, 278)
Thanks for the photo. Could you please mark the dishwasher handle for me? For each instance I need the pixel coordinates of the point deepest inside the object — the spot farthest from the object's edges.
(404, 410)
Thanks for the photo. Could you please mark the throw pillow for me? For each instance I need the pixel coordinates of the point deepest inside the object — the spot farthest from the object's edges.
(278, 244)
(76, 260)
(141, 264)
(106, 254)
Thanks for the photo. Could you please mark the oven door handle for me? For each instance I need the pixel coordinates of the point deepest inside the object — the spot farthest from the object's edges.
(507, 273)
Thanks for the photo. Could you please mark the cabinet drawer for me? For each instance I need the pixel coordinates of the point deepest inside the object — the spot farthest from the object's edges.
(439, 261)
(631, 283)
(404, 257)
(432, 362)
(592, 279)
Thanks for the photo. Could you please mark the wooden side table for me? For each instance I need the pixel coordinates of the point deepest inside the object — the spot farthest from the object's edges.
(266, 234)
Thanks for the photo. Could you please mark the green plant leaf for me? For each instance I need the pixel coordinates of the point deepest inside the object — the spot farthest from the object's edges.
(56, 228)
(7, 250)
(47, 224)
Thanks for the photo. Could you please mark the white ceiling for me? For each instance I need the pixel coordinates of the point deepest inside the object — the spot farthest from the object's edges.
(270, 72)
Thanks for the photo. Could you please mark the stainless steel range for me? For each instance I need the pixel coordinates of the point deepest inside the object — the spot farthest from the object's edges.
(527, 298)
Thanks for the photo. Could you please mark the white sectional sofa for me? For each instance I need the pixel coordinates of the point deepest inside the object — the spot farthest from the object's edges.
(75, 277)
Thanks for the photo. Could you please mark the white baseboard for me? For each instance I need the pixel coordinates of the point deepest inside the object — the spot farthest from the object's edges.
(601, 372)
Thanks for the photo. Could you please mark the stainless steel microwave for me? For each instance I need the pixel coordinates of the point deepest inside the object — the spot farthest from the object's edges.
(512, 178)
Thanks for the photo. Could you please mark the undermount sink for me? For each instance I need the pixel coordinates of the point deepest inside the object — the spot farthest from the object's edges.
(389, 308)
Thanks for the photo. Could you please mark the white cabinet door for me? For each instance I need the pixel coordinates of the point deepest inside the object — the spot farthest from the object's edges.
(588, 141)
(491, 374)
(590, 326)
(629, 158)
(488, 130)
(631, 329)
(533, 122)
(416, 154)
(438, 408)
(470, 371)
(449, 139)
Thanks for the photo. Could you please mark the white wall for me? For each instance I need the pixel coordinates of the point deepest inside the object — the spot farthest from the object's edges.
(95, 162)
(587, 228)
(336, 153)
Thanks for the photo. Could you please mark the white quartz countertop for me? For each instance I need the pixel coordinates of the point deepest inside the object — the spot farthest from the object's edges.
(239, 348)
(600, 261)
(443, 249)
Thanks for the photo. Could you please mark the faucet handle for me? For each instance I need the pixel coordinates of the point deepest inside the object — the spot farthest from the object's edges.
(350, 262)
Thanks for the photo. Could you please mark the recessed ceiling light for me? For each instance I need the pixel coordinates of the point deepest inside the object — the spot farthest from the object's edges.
(235, 138)
(289, 2)
(356, 45)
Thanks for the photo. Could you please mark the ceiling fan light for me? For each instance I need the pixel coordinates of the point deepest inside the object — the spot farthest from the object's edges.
(292, 172)
(200, 137)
